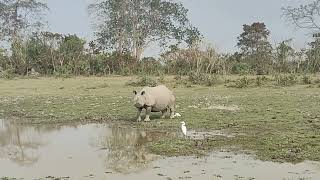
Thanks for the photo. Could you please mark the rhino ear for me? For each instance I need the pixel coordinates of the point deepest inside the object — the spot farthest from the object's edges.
(135, 92)
(143, 93)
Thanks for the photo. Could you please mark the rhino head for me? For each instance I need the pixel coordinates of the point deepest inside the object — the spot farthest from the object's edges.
(139, 99)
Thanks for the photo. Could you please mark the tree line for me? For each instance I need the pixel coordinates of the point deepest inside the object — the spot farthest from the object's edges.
(124, 29)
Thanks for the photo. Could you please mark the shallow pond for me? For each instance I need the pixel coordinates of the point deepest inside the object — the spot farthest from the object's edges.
(102, 151)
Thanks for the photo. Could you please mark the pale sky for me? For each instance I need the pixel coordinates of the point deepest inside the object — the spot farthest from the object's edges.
(220, 21)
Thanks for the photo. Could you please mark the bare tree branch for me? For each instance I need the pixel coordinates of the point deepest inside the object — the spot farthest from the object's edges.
(305, 16)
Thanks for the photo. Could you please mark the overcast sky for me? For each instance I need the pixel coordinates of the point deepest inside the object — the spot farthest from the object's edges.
(219, 20)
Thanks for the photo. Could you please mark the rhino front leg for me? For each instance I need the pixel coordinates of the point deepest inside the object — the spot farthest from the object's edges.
(172, 112)
(139, 114)
(148, 112)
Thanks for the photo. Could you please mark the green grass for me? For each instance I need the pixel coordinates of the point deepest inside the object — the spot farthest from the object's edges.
(275, 123)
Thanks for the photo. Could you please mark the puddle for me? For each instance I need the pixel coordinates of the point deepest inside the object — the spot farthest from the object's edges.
(101, 151)
(225, 166)
(72, 151)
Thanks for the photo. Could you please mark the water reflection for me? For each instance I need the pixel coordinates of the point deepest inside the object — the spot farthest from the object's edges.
(126, 149)
(92, 149)
(22, 143)
(19, 144)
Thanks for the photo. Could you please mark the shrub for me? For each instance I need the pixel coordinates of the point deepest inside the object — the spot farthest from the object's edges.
(63, 72)
(306, 79)
(260, 80)
(161, 78)
(203, 79)
(143, 81)
(125, 71)
(178, 78)
(211, 80)
(241, 68)
(195, 58)
(150, 66)
(242, 82)
(7, 74)
(285, 80)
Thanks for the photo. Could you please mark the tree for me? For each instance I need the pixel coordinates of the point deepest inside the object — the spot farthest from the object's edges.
(52, 42)
(18, 15)
(133, 25)
(284, 54)
(41, 50)
(72, 51)
(308, 17)
(305, 16)
(3, 60)
(313, 54)
(16, 18)
(255, 46)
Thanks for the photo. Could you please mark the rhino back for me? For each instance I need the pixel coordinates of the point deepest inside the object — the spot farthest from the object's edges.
(162, 95)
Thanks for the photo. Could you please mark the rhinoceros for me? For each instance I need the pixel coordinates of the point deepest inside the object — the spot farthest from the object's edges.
(154, 99)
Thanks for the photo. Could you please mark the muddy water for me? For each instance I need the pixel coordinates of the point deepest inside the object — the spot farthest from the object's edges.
(72, 151)
(98, 151)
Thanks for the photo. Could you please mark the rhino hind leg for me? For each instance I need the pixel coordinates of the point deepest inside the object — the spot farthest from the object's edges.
(172, 112)
(163, 116)
(164, 113)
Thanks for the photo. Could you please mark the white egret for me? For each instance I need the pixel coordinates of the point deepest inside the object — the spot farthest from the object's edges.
(184, 128)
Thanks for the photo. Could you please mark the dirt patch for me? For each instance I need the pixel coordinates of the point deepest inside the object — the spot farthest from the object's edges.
(217, 107)
(223, 107)
(208, 134)
(193, 106)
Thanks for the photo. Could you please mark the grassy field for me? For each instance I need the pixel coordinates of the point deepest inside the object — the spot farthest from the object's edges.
(275, 123)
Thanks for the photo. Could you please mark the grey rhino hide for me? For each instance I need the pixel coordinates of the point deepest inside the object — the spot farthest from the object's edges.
(154, 99)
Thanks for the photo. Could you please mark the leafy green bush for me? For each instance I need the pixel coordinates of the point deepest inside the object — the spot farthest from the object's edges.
(161, 78)
(63, 72)
(125, 71)
(260, 80)
(306, 79)
(242, 82)
(285, 80)
(178, 77)
(7, 74)
(143, 81)
(241, 68)
(211, 80)
(180, 80)
(203, 79)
